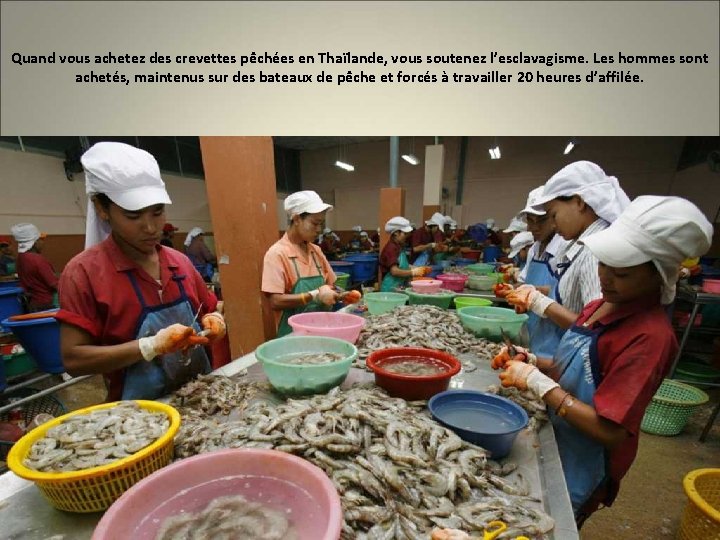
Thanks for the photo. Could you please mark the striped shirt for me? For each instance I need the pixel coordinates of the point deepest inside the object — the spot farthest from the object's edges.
(579, 282)
(556, 244)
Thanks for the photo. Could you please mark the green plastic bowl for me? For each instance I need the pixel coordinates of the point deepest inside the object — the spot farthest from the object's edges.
(299, 379)
(480, 268)
(18, 364)
(465, 301)
(343, 279)
(442, 300)
(382, 302)
(485, 322)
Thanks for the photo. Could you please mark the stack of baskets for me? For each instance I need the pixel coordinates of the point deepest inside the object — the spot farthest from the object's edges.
(701, 519)
(671, 407)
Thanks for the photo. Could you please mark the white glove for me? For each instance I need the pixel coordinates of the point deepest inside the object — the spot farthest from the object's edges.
(327, 295)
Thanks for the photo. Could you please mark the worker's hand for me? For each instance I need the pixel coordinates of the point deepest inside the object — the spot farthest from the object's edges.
(449, 534)
(501, 290)
(522, 355)
(431, 245)
(420, 271)
(527, 377)
(510, 274)
(528, 298)
(327, 295)
(504, 268)
(351, 297)
(213, 326)
(176, 337)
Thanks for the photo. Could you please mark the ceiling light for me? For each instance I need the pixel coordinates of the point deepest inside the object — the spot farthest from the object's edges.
(569, 148)
(344, 165)
(411, 159)
(494, 152)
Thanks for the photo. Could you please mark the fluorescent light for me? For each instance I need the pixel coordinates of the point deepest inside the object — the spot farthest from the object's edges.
(411, 159)
(569, 148)
(494, 152)
(344, 165)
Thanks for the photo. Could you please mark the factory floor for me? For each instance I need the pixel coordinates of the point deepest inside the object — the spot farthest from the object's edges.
(651, 499)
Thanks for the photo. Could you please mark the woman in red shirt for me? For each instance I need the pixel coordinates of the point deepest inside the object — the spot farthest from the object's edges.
(36, 274)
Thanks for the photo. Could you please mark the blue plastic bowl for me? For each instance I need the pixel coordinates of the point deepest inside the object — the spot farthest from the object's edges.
(365, 267)
(480, 418)
(491, 253)
(9, 284)
(10, 302)
(41, 339)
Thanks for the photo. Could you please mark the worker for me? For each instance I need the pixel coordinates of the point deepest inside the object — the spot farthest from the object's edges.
(581, 200)
(612, 360)
(394, 264)
(355, 243)
(199, 254)
(329, 245)
(130, 307)
(517, 225)
(365, 243)
(375, 238)
(296, 275)
(424, 240)
(36, 274)
(7, 261)
(168, 234)
(519, 246)
(493, 236)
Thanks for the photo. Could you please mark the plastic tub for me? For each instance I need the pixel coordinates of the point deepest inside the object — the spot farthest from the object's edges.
(412, 387)
(480, 269)
(18, 364)
(10, 302)
(443, 299)
(303, 379)
(365, 267)
(711, 286)
(466, 301)
(453, 282)
(480, 418)
(473, 254)
(697, 373)
(486, 322)
(491, 253)
(326, 323)
(671, 407)
(9, 283)
(342, 266)
(701, 518)
(343, 279)
(481, 283)
(290, 484)
(382, 302)
(41, 339)
(426, 286)
(463, 262)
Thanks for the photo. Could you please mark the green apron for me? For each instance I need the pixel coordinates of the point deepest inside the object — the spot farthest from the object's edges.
(303, 285)
(390, 282)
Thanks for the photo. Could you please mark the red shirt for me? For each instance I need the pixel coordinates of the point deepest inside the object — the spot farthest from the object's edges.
(37, 277)
(635, 353)
(389, 256)
(97, 296)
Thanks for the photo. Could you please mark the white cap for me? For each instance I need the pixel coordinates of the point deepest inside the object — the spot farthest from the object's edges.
(587, 180)
(532, 202)
(516, 225)
(195, 231)
(25, 234)
(326, 230)
(398, 223)
(130, 177)
(490, 223)
(357, 228)
(664, 230)
(519, 241)
(436, 219)
(363, 233)
(302, 202)
(453, 226)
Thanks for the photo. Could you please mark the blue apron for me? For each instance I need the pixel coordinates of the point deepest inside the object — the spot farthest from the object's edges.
(545, 335)
(583, 459)
(154, 379)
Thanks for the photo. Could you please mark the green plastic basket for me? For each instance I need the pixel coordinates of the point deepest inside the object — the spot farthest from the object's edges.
(671, 407)
(442, 300)
(342, 279)
(18, 364)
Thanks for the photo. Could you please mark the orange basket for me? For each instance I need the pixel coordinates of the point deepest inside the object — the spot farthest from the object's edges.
(96, 488)
(701, 519)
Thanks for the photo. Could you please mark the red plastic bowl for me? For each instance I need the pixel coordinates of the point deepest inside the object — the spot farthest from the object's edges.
(453, 282)
(711, 286)
(279, 480)
(412, 387)
(473, 254)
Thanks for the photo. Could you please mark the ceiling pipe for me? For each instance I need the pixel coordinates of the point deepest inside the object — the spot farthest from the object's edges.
(394, 160)
(461, 171)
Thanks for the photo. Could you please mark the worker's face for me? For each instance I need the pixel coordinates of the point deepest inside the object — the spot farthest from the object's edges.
(400, 237)
(541, 227)
(567, 216)
(310, 226)
(141, 229)
(432, 228)
(5, 250)
(623, 285)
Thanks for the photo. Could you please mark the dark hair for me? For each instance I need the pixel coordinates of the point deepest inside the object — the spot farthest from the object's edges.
(103, 199)
(565, 198)
(4, 244)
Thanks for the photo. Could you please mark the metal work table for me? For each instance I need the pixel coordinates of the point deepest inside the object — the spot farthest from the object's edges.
(26, 515)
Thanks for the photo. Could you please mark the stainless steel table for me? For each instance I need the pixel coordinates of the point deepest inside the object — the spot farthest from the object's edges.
(26, 515)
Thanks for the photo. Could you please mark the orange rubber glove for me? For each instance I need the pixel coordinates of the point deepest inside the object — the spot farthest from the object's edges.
(213, 326)
(352, 297)
(527, 377)
(174, 338)
(503, 357)
(501, 290)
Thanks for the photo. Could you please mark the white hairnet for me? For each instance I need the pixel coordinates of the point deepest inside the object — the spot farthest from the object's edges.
(195, 231)
(25, 234)
(302, 202)
(519, 241)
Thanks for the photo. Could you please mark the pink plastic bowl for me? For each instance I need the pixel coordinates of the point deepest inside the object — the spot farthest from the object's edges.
(279, 480)
(327, 323)
(453, 282)
(426, 286)
(711, 286)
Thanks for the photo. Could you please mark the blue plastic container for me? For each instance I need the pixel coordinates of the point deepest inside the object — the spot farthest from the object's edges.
(464, 262)
(491, 253)
(480, 418)
(41, 339)
(342, 266)
(10, 302)
(364, 269)
(9, 284)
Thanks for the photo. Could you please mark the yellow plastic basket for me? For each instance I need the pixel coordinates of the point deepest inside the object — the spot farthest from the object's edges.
(701, 519)
(95, 489)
